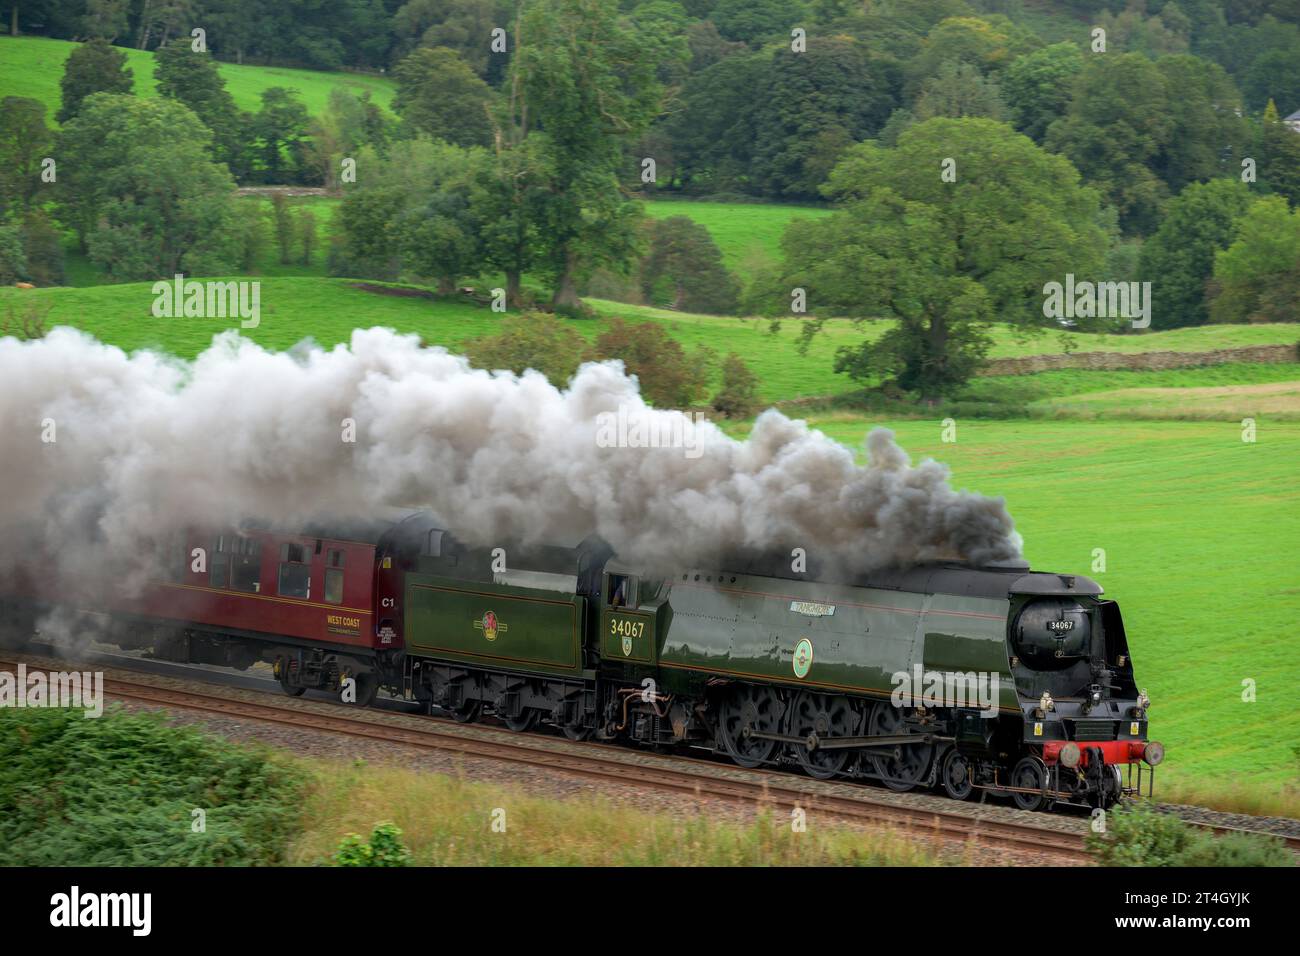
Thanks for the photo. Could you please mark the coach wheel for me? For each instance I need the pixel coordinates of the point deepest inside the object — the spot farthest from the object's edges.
(366, 689)
(1029, 775)
(900, 768)
(955, 775)
(745, 711)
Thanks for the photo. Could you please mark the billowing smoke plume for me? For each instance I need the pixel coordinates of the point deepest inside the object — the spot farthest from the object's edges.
(102, 453)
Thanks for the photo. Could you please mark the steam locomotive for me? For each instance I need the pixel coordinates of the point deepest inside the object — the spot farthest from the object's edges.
(969, 680)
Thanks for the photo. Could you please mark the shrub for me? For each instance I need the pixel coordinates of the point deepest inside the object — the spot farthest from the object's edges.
(385, 848)
(27, 322)
(1140, 836)
(44, 249)
(531, 340)
(738, 395)
(668, 376)
(121, 790)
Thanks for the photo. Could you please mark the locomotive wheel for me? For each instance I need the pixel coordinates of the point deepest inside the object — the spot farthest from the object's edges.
(467, 712)
(954, 775)
(293, 690)
(901, 768)
(525, 721)
(747, 708)
(1029, 774)
(822, 715)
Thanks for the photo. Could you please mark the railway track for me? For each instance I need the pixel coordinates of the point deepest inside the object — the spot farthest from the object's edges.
(617, 765)
(601, 763)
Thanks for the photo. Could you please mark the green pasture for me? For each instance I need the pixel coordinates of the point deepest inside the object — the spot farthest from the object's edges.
(328, 309)
(747, 234)
(33, 66)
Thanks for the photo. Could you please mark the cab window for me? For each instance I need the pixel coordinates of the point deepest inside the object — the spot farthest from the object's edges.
(621, 592)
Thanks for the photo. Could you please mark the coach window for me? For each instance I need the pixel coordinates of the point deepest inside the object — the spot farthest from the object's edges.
(295, 572)
(245, 564)
(219, 563)
(334, 577)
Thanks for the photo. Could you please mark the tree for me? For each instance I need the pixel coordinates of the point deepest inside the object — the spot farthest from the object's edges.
(986, 43)
(1257, 278)
(420, 210)
(1119, 122)
(1278, 150)
(348, 123)
(833, 87)
(712, 131)
(307, 234)
(588, 78)
(1206, 128)
(668, 376)
(438, 94)
(459, 25)
(93, 67)
(510, 204)
(280, 128)
(1178, 259)
(25, 141)
(941, 258)
(548, 344)
(752, 21)
(192, 78)
(105, 18)
(958, 90)
(738, 395)
(282, 217)
(684, 257)
(42, 248)
(13, 260)
(438, 231)
(1037, 87)
(138, 183)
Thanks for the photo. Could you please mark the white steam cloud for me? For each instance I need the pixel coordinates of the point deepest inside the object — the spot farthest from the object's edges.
(146, 445)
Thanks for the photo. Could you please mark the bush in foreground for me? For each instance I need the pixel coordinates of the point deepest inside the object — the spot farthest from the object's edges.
(1140, 836)
(122, 790)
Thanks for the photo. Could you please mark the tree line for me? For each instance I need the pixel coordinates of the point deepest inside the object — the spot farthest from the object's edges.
(1160, 156)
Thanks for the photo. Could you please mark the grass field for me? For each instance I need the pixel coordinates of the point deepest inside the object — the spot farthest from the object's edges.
(448, 821)
(327, 309)
(33, 67)
(747, 234)
(1199, 530)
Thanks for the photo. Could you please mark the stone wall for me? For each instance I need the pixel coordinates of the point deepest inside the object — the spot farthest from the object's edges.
(1107, 361)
